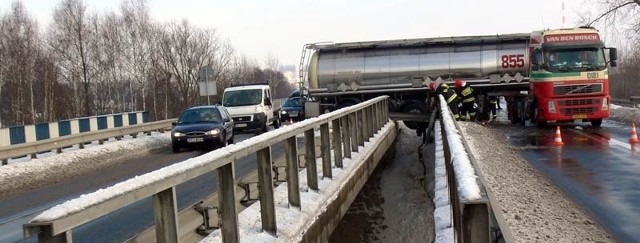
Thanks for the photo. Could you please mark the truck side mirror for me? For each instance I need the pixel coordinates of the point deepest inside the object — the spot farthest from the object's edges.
(613, 57)
(267, 101)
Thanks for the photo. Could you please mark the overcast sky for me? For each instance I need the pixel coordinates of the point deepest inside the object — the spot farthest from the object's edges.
(259, 28)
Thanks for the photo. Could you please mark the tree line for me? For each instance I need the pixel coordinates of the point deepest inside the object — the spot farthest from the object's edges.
(620, 19)
(87, 64)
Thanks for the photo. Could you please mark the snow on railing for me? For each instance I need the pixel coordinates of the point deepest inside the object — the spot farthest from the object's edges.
(469, 201)
(359, 122)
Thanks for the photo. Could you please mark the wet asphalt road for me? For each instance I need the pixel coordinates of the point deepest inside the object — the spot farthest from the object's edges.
(598, 168)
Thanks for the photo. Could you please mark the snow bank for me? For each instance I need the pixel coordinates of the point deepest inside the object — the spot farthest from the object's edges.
(442, 216)
(293, 222)
(465, 174)
(51, 169)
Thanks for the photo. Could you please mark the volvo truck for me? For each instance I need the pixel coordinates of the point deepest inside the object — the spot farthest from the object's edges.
(544, 75)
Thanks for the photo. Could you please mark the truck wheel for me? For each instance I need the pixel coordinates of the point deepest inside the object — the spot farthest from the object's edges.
(416, 108)
(596, 123)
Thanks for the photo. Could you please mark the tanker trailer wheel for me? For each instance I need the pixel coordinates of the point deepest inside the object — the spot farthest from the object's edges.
(415, 108)
(346, 103)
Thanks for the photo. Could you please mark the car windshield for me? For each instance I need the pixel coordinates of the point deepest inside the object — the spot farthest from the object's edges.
(292, 103)
(242, 97)
(200, 115)
(574, 60)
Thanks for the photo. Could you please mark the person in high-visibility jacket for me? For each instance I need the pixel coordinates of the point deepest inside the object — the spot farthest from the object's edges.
(449, 95)
(468, 97)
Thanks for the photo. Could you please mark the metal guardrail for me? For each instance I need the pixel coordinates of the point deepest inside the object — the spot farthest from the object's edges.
(632, 101)
(469, 201)
(58, 143)
(351, 126)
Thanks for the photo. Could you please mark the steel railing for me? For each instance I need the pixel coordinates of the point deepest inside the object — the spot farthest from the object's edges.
(472, 216)
(351, 127)
(81, 139)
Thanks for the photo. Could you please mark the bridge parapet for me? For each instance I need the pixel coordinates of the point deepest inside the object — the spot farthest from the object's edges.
(362, 120)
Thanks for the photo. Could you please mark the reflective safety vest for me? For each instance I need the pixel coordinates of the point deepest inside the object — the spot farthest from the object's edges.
(467, 94)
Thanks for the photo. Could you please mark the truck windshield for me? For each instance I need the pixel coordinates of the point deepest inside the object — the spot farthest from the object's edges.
(242, 97)
(574, 60)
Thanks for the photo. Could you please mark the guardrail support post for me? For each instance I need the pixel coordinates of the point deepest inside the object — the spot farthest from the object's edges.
(227, 201)
(346, 141)
(325, 151)
(293, 184)
(166, 215)
(337, 142)
(34, 155)
(45, 234)
(5, 161)
(310, 159)
(265, 182)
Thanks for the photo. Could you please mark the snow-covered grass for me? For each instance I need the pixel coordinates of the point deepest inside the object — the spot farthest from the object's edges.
(293, 222)
(51, 169)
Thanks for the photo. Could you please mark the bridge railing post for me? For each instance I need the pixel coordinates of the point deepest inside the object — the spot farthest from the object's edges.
(346, 132)
(265, 182)
(310, 159)
(293, 185)
(166, 215)
(325, 150)
(337, 142)
(227, 202)
(353, 128)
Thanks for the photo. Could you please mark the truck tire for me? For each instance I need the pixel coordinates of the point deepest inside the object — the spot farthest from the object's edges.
(346, 103)
(415, 107)
(596, 123)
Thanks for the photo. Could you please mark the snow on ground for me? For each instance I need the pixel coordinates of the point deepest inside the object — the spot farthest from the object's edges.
(625, 114)
(293, 222)
(45, 170)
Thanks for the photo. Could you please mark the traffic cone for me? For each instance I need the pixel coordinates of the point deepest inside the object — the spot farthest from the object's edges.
(634, 135)
(558, 139)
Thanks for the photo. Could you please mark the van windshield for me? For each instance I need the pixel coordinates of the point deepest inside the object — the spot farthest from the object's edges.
(242, 97)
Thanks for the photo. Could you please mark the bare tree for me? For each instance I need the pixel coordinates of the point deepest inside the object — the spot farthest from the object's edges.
(185, 50)
(71, 39)
(618, 16)
(19, 47)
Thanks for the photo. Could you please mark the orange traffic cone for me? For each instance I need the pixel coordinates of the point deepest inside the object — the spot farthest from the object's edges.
(558, 139)
(634, 135)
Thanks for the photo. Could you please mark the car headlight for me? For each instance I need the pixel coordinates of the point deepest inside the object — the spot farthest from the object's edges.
(178, 134)
(213, 132)
(283, 112)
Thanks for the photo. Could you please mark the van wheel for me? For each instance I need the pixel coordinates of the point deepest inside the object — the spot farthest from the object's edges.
(276, 122)
(175, 148)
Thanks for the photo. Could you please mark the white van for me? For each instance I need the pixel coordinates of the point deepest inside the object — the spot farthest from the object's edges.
(251, 107)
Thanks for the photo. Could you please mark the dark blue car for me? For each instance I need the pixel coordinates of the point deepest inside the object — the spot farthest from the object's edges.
(293, 108)
(202, 126)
